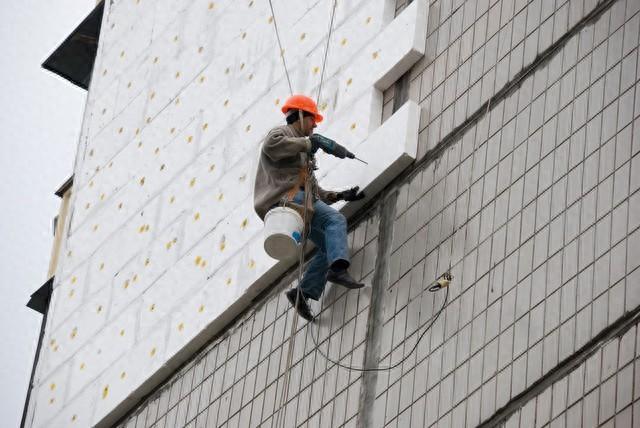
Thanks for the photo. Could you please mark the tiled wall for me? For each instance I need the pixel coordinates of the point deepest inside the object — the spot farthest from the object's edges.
(533, 205)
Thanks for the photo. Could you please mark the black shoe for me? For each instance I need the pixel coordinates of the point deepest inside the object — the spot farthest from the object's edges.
(343, 278)
(303, 308)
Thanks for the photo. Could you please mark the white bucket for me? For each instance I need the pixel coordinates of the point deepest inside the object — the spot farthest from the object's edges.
(282, 232)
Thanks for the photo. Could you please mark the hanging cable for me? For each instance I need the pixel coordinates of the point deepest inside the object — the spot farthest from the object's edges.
(326, 51)
(428, 325)
(284, 62)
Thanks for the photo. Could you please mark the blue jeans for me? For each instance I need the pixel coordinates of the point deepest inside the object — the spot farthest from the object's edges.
(329, 234)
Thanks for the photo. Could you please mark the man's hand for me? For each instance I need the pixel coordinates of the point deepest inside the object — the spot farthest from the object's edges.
(350, 195)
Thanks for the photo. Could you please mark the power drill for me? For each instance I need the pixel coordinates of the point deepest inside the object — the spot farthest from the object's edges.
(329, 146)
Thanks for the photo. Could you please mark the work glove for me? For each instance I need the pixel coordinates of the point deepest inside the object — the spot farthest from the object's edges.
(329, 146)
(350, 195)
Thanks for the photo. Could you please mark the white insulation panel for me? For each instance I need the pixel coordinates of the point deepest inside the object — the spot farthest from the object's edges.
(163, 245)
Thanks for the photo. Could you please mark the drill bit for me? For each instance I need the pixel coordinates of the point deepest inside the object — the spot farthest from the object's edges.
(356, 158)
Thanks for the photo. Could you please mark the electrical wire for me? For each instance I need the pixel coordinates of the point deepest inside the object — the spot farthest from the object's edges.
(326, 51)
(428, 325)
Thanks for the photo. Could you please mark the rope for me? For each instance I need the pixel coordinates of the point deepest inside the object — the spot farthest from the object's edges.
(284, 63)
(326, 50)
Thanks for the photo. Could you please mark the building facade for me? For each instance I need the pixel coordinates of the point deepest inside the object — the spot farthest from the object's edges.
(502, 138)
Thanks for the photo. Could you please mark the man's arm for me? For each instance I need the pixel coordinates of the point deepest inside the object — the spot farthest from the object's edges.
(278, 146)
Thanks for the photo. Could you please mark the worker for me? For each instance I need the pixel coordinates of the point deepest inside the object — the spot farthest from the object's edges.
(281, 178)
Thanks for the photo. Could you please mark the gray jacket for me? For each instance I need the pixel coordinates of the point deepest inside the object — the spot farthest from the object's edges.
(281, 159)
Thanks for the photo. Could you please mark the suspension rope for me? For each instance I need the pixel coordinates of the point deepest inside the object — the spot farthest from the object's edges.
(326, 50)
(284, 62)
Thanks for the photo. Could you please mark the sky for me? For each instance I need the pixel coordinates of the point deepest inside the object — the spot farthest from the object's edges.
(40, 121)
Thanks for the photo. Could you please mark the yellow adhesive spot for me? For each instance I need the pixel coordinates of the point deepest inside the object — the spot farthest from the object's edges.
(252, 264)
(168, 245)
(152, 307)
(350, 81)
(343, 42)
(122, 54)
(105, 392)
(202, 79)
(223, 244)
(52, 400)
(101, 266)
(110, 164)
(172, 199)
(200, 49)
(189, 138)
(122, 332)
(74, 279)
(148, 120)
(374, 55)
(248, 128)
(323, 106)
(74, 332)
(211, 5)
(196, 217)
(181, 326)
(104, 111)
(270, 20)
(220, 196)
(102, 195)
(139, 144)
(146, 228)
(212, 167)
(73, 418)
(141, 229)
(120, 206)
(91, 183)
(203, 263)
(71, 293)
(55, 348)
(201, 308)
(251, 3)
(175, 240)
(91, 152)
(303, 36)
(244, 35)
(368, 20)
(205, 126)
(137, 131)
(353, 126)
(142, 181)
(152, 95)
(226, 71)
(226, 103)
(228, 281)
(177, 75)
(244, 223)
(250, 76)
(135, 278)
(123, 375)
(242, 66)
(104, 72)
(192, 182)
(99, 309)
(125, 285)
(86, 207)
(242, 178)
(146, 262)
(316, 69)
(52, 342)
(129, 85)
(95, 227)
(162, 167)
(198, 260)
(157, 150)
(52, 386)
(155, 60)
(177, 101)
(277, 101)
(172, 130)
(175, 38)
(152, 352)
(82, 366)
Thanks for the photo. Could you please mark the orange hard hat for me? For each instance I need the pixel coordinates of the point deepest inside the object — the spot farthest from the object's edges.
(304, 103)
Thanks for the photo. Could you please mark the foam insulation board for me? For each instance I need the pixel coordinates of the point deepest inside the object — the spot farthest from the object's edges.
(164, 248)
